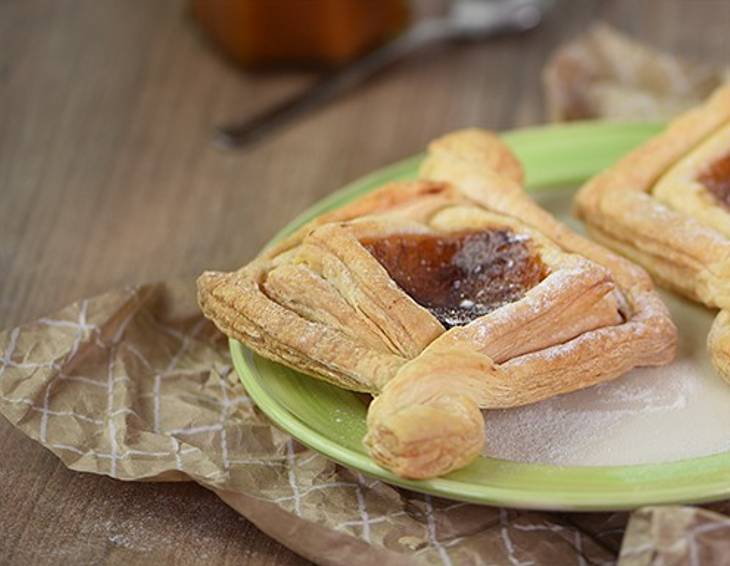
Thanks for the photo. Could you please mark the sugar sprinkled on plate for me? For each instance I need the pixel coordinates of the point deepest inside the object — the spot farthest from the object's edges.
(650, 415)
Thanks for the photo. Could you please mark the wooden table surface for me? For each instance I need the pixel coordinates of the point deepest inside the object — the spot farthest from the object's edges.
(108, 177)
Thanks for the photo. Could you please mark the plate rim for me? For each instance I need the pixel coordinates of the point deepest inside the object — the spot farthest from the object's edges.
(518, 498)
(632, 493)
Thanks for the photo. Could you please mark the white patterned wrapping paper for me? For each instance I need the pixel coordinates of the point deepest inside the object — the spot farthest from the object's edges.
(136, 385)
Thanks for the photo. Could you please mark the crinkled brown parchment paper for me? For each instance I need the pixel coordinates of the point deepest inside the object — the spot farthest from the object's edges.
(607, 74)
(135, 384)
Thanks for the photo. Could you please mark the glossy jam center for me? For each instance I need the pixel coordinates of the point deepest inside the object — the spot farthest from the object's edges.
(460, 276)
(717, 179)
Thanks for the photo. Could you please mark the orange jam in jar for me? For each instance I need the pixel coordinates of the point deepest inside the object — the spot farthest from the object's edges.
(260, 33)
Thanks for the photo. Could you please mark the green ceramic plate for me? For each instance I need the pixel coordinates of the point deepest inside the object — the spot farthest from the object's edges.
(332, 421)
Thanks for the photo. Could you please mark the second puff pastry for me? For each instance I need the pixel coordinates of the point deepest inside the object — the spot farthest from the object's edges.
(441, 297)
(666, 206)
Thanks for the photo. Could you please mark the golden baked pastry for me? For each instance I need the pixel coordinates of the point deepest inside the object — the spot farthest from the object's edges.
(666, 206)
(441, 297)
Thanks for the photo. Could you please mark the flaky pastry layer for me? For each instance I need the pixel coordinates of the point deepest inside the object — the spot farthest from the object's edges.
(654, 207)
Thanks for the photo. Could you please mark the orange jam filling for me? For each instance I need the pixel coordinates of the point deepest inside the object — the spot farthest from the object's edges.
(460, 276)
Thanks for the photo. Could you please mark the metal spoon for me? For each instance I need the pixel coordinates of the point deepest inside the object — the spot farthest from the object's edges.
(467, 20)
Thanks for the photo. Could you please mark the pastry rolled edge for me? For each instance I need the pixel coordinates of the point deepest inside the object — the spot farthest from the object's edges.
(718, 344)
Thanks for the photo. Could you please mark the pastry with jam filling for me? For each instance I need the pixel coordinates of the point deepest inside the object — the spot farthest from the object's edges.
(460, 276)
(666, 206)
(441, 297)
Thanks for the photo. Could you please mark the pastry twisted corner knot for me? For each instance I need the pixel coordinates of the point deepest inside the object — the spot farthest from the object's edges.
(425, 439)
(427, 420)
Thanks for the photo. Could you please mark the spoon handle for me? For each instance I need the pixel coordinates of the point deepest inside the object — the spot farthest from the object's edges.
(330, 85)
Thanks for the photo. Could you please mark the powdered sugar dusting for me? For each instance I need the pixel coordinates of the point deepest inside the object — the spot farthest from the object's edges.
(649, 415)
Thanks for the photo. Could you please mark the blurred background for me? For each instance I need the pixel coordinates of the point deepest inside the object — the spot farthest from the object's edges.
(112, 170)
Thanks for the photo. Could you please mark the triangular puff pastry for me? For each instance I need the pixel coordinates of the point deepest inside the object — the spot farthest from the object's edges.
(442, 296)
(666, 206)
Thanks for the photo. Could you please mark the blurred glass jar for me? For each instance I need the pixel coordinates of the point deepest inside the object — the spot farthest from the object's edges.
(260, 33)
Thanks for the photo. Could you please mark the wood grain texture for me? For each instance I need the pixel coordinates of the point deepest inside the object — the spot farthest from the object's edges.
(108, 177)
